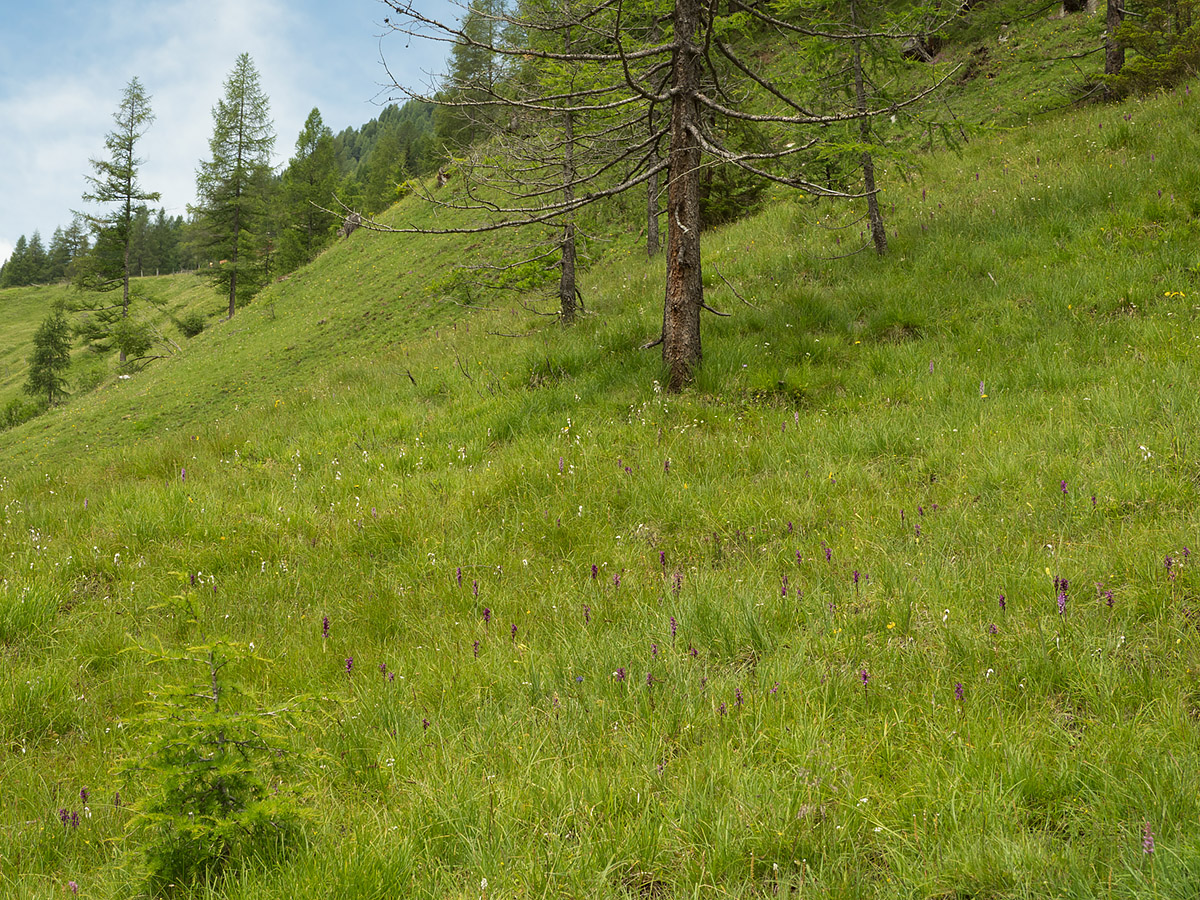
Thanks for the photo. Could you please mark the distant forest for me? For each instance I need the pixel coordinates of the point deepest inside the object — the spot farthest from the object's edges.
(368, 165)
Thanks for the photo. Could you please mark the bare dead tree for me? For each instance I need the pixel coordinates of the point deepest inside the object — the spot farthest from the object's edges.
(621, 71)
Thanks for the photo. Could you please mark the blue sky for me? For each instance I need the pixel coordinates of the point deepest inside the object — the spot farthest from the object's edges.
(65, 63)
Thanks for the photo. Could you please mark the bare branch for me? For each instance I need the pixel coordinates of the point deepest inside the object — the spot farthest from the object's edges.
(825, 119)
(431, 29)
(732, 288)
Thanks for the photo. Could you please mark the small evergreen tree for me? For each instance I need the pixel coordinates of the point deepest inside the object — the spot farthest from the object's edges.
(50, 359)
(39, 260)
(233, 185)
(116, 183)
(215, 767)
(16, 270)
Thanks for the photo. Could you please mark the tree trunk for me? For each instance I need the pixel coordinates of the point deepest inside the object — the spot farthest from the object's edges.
(567, 268)
(652, 241)
(878, 232)
(125, 286)
(1114, 53)
(233, 259)
(566, 281)
(685, 289)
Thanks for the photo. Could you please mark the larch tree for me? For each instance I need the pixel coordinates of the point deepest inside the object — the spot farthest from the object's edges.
(232, 187)
(475, 73)
(711, 86)
(116, 184)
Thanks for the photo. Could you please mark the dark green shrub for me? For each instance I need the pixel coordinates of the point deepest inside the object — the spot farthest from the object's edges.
(134, 339)
(21, 409)
(193, 323)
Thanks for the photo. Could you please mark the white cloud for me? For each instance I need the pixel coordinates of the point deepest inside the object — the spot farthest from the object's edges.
(6, 250)
(57, 102)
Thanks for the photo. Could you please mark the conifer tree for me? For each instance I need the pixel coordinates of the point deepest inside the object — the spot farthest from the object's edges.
(116, 184)
(50, 359)
(39, 259)
(307, 186)
(233, 185)
(475, 71)
(75, 237)
(59, 255)
(17, 270)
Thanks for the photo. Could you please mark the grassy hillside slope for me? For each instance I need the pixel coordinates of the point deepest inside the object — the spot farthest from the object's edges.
(800, 631)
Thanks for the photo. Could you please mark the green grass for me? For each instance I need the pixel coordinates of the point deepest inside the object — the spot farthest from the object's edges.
(1015, 380)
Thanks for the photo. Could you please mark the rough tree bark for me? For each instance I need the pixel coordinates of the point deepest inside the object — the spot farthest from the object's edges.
(685, 290)
(1114, 53)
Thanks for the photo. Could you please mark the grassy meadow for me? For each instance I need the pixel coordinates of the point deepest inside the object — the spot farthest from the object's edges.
(898, 601)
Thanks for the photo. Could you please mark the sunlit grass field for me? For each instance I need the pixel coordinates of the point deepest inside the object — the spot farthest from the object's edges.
(899, 600)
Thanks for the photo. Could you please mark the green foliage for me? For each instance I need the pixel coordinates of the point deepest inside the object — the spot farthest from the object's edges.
(214, 794)
(192, 323)
(19, 410)
(32, 263)
(157, 245)
(412, 122)
(132, 337)
(234, 184)
(17, 270)
(50, 359)
(116, 184)
(1164, 36)
(728, 193)
(467, 107)
(307, 189)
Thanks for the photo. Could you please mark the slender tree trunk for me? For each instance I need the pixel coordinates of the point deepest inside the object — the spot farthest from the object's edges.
(878, 232)
(685, 290)
(652, 240)
(239, 174)
(566, 281)
(1114, 53)
(129, 162)
(233, 259)
(125, 287)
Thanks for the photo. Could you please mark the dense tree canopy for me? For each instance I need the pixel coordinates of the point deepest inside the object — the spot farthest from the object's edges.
(306, 190)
